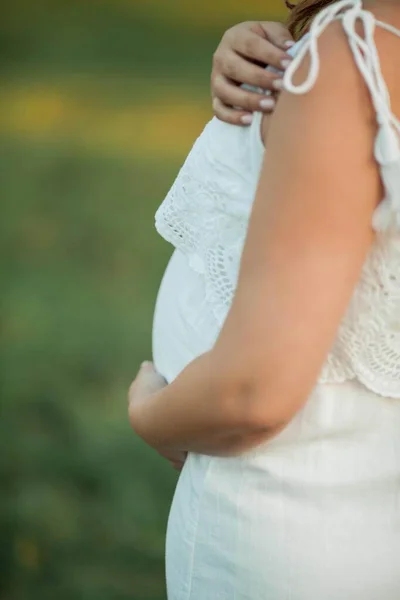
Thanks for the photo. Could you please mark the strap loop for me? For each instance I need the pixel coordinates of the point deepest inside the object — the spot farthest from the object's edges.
(387, 145)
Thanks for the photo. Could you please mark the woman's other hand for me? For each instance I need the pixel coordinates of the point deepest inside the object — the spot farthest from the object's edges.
(240, 58)
(147, 382)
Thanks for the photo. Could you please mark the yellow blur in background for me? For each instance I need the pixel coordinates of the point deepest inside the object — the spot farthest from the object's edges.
(100, 101)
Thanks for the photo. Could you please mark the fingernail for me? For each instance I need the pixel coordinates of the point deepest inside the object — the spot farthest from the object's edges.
(246, 119)
(145, 363)
(277, 84)
(267, 103)
(285, 63)
(289, 44)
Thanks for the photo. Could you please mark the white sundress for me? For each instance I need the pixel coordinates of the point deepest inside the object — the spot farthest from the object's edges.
(313, 514)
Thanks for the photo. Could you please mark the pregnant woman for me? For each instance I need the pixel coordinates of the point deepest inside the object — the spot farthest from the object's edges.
(276, 336)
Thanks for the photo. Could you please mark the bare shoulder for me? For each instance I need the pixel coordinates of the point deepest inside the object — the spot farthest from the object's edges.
(387, 11)
(338, 90)
(388, 46)
(340, 78)
(335, 49)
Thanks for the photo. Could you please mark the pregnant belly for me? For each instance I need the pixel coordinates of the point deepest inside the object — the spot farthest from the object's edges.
(183, 326)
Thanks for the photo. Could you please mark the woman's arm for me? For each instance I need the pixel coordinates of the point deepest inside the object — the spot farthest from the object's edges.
(195, 412)
(241, 57)
(308, 237)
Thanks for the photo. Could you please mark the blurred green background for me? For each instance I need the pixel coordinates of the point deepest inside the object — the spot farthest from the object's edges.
(100, 102)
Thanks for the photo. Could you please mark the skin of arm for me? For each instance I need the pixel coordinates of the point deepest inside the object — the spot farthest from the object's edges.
(308, 237)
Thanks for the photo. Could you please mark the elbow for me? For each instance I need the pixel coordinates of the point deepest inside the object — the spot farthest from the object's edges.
(252, 409)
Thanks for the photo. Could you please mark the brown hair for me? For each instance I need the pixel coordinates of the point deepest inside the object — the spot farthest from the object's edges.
(303, 13)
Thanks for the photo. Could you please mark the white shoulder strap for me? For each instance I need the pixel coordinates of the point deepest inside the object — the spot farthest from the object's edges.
(387, 145)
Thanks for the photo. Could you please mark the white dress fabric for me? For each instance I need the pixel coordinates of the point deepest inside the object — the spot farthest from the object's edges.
(315, 512)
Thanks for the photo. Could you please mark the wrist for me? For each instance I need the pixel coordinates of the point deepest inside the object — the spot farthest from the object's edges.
(142, 419)
(138, 419)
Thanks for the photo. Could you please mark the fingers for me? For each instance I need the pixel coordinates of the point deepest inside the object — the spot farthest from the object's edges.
(254, 45)
(229, 68)
(240, 59)
(234, 67)
(278, 34)
(228, 95)
(228, 114)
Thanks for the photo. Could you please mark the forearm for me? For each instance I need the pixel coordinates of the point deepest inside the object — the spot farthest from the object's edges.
(198, 413)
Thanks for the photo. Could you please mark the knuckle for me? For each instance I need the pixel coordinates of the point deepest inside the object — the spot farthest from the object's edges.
(219, 110)
(218, 84)
(213, 79)
(246, 25)
(216, 105)
(229, 70)
(237, 29)
(229, 33)
(257, 28)
(229, 38)
(250, 46)
(217, 61)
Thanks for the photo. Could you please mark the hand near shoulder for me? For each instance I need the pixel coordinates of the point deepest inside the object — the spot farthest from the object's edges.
(241, 58)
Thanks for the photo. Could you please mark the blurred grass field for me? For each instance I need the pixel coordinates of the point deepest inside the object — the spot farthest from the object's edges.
(99, 104)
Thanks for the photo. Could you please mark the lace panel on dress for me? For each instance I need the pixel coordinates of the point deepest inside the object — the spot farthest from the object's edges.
(207, 210)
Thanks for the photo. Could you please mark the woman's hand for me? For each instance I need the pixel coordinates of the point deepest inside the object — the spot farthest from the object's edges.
(148, 381)
(240, 58)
